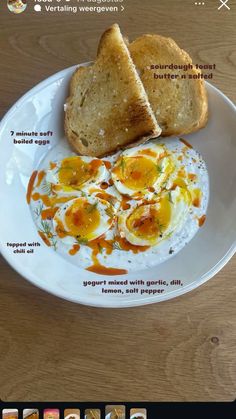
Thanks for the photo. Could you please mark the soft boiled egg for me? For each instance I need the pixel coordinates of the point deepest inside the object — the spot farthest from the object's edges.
(84, 219)
(139, 172)
(149, 223)
(76, 173)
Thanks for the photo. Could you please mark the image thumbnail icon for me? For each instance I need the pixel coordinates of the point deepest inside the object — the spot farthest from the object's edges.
(16, 6)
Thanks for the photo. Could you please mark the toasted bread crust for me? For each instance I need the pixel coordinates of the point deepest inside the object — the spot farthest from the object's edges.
(108, 108)
(180, 106)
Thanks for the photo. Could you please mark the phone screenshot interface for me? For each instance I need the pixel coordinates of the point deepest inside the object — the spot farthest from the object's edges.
(117, 214)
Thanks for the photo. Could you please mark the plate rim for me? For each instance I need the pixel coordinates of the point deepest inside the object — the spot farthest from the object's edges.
(88, 301)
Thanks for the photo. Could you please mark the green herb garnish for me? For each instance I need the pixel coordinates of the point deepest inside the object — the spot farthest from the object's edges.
(159, 168)
(92, 207)
(45, 228)
(54, 243)
(116, 246)
(100, 248)
(122, 165)
(38, 210)
(109, 212)
(81, 240)
(170, 197)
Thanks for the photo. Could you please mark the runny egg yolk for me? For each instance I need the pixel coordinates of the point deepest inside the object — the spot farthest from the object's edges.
(74, 171)
(137, 172)
(82, 219)
(149, 221)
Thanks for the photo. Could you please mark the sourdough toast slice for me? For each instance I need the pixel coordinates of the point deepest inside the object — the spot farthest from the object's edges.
(108, 108)
(179, 104)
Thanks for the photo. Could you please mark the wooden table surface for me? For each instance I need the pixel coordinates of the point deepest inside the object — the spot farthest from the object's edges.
(184, 349)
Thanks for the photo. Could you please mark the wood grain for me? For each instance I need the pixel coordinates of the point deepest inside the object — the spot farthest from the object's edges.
(182, 349)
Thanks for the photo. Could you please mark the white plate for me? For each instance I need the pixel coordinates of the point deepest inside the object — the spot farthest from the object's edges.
(41, 109)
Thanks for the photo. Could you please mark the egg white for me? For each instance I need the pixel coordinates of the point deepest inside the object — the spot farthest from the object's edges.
(165, 167)
(106, 211)
(179, 201)
(92, 187)
(101, 175)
